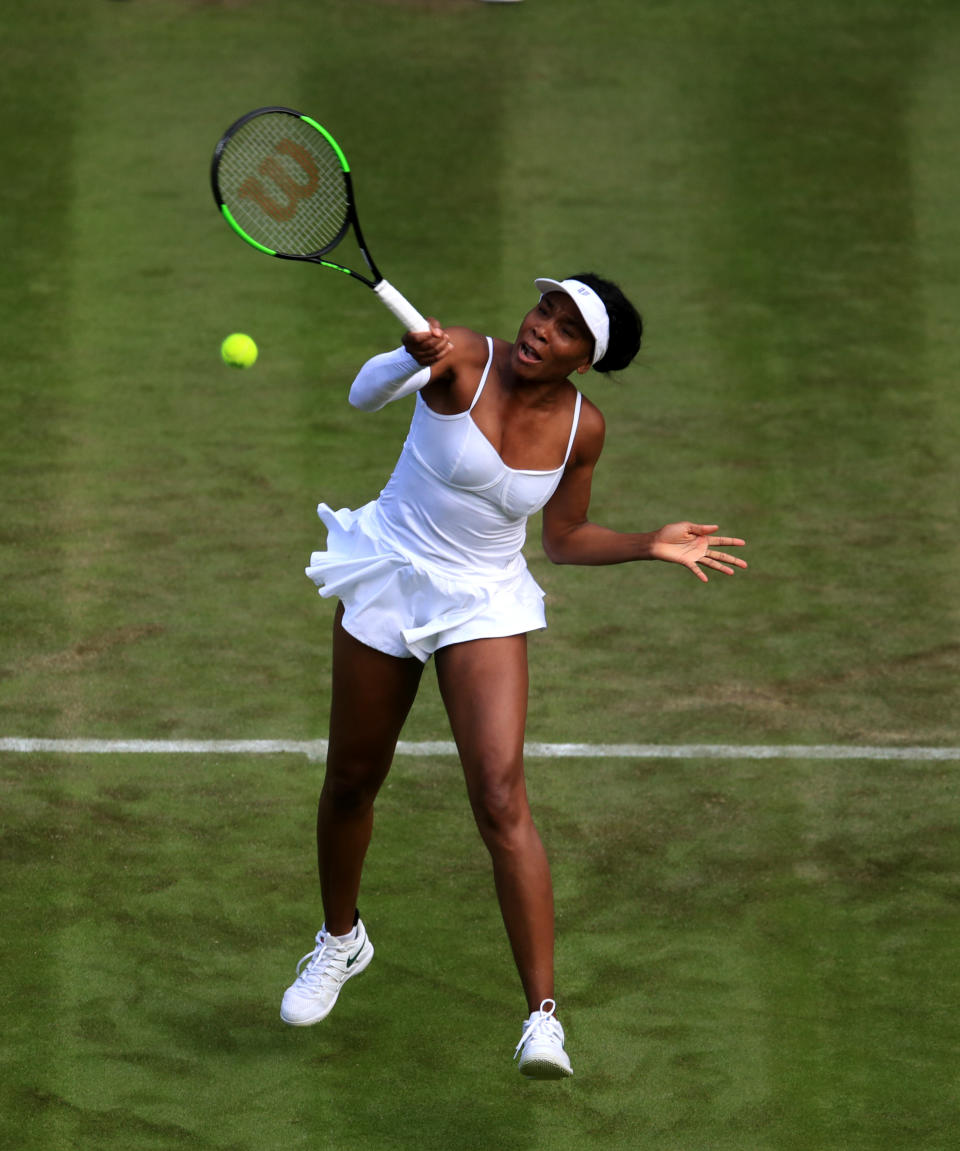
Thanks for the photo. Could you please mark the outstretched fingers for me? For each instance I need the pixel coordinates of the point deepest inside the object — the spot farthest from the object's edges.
(693, 545)
(722, 562)
(719, 561)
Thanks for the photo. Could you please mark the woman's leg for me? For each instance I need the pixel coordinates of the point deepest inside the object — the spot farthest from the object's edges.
(484, 688)
(372, 695)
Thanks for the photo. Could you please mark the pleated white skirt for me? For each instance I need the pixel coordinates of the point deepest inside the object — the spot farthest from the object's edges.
(404, 606)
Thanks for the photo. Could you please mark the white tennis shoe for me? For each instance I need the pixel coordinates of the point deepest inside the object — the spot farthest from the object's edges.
(541, 1045)
(321, 974)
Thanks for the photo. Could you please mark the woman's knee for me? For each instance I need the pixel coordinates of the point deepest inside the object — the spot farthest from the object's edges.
(500, 807)
(351, 786)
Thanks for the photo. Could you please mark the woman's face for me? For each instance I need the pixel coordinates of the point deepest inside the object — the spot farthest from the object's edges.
(553, 341)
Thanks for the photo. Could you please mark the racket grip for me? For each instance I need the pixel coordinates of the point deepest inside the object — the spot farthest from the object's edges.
(401, 307)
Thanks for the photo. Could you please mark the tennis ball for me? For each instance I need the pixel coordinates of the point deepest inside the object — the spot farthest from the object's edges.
(239, 351)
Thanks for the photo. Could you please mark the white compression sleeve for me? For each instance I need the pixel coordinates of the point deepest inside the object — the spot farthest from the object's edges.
(386, 377)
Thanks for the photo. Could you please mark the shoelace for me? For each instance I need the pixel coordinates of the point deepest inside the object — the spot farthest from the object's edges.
(314, 968)
(543, 1020)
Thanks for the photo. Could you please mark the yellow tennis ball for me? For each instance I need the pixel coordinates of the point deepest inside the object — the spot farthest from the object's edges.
(239, 351)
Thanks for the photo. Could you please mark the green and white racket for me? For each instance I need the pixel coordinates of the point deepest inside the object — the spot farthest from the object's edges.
(283, 184)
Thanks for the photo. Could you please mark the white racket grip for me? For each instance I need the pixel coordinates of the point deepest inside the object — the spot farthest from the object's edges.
(401, 307)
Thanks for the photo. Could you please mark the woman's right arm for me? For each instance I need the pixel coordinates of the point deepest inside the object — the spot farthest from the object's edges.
(424, 358)
(389, 376)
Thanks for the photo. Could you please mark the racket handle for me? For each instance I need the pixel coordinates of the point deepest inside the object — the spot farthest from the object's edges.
(401, 307)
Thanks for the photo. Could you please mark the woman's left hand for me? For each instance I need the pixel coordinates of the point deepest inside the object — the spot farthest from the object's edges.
(692, 545)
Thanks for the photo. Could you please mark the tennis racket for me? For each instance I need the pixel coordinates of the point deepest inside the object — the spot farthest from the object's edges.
(283, 184)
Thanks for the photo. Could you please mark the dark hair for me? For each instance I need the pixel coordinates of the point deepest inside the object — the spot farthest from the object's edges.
(626, 325)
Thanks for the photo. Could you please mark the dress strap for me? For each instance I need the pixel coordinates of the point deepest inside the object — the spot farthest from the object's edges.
(483, 378)
(573, 430)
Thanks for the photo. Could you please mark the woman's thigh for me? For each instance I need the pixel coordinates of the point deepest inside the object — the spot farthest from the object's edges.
(372, 694)
(484, 686)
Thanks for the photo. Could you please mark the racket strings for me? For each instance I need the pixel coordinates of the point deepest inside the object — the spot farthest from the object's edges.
(284, 184)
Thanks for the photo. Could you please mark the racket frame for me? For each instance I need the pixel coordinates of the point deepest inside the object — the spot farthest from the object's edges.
(388, 294)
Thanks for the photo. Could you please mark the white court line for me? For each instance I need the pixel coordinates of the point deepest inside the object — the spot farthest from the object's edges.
(317, 749)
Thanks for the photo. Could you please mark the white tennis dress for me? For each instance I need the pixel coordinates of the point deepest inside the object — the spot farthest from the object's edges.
(437, 558)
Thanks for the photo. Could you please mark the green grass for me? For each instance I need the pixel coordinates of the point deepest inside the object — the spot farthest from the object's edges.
(751, 955)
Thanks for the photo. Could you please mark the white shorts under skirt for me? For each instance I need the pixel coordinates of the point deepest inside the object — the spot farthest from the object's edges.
(399, 605)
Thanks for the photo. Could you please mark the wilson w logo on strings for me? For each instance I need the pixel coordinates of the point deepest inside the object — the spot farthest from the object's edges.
(279, 173)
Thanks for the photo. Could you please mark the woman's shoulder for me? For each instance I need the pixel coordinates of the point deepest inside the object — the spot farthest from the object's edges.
(590, 415)
(466, 355)
(591, 431)
(468, 344)
(454, 377)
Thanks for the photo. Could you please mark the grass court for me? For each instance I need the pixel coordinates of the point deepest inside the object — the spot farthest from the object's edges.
(753, 955)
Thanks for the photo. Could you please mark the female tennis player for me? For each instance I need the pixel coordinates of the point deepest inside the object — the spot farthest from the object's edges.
(434, 567)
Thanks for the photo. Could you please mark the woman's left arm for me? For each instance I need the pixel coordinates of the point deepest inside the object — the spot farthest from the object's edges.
(569, 537)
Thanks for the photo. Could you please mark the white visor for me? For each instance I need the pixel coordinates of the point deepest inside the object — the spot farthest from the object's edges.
(590, 307)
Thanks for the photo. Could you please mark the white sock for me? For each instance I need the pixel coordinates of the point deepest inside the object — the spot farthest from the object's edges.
(351, 934)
